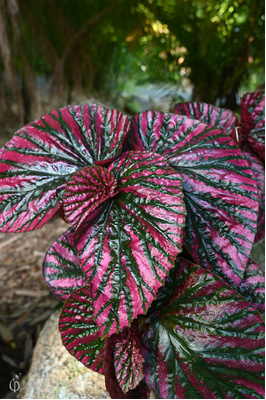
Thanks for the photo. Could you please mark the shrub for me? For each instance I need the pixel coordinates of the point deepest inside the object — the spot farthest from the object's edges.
(155, 272)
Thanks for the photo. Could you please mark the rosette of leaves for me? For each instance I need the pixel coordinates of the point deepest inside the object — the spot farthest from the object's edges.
(135, 192)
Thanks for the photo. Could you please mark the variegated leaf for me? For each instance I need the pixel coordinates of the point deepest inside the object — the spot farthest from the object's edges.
(259, 173)
(141, 391)
(61, 267)
(253, 286)
(79, 332)
(228, 122)
(85, 191)
(41, 157)
(253, 121)
(129, 248)
(205, 342)
(222, 118)
(220, 190)
(128, 360)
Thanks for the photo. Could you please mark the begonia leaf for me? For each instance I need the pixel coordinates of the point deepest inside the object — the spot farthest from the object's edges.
(253, 286)
(222, 118)
(79, 332)
(220, 190)
(85, 191)
(141, 391)
(128, 360)
(259, 173)
(128, 250)
(227, 121)
(206, 342)
(37, 162)
(253, 121)
(61, 267)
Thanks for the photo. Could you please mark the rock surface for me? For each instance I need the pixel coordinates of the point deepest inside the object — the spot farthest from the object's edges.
(55, 374)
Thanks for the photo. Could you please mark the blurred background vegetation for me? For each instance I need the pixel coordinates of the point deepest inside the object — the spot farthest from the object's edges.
(131, 54)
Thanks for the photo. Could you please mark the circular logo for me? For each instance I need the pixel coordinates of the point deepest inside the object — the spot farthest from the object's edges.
(14, 384)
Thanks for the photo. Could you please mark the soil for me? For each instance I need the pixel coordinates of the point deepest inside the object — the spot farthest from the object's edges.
(26, 302)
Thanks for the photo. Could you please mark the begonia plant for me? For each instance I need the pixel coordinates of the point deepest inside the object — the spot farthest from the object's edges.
(159, 289)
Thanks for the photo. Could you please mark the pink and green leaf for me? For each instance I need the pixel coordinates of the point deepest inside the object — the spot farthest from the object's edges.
(85, 191)
(220, 190)
(128, 249)
(206, 342)
(222, 118)
(227, 121)
(61, 267)
(141, 391)
(79, 332)
(128, 360)
(38, 161)
(253, 286)
(253, 121)
(259, 173)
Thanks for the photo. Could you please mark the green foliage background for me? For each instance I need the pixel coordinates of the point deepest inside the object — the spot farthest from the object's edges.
(105, 46)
